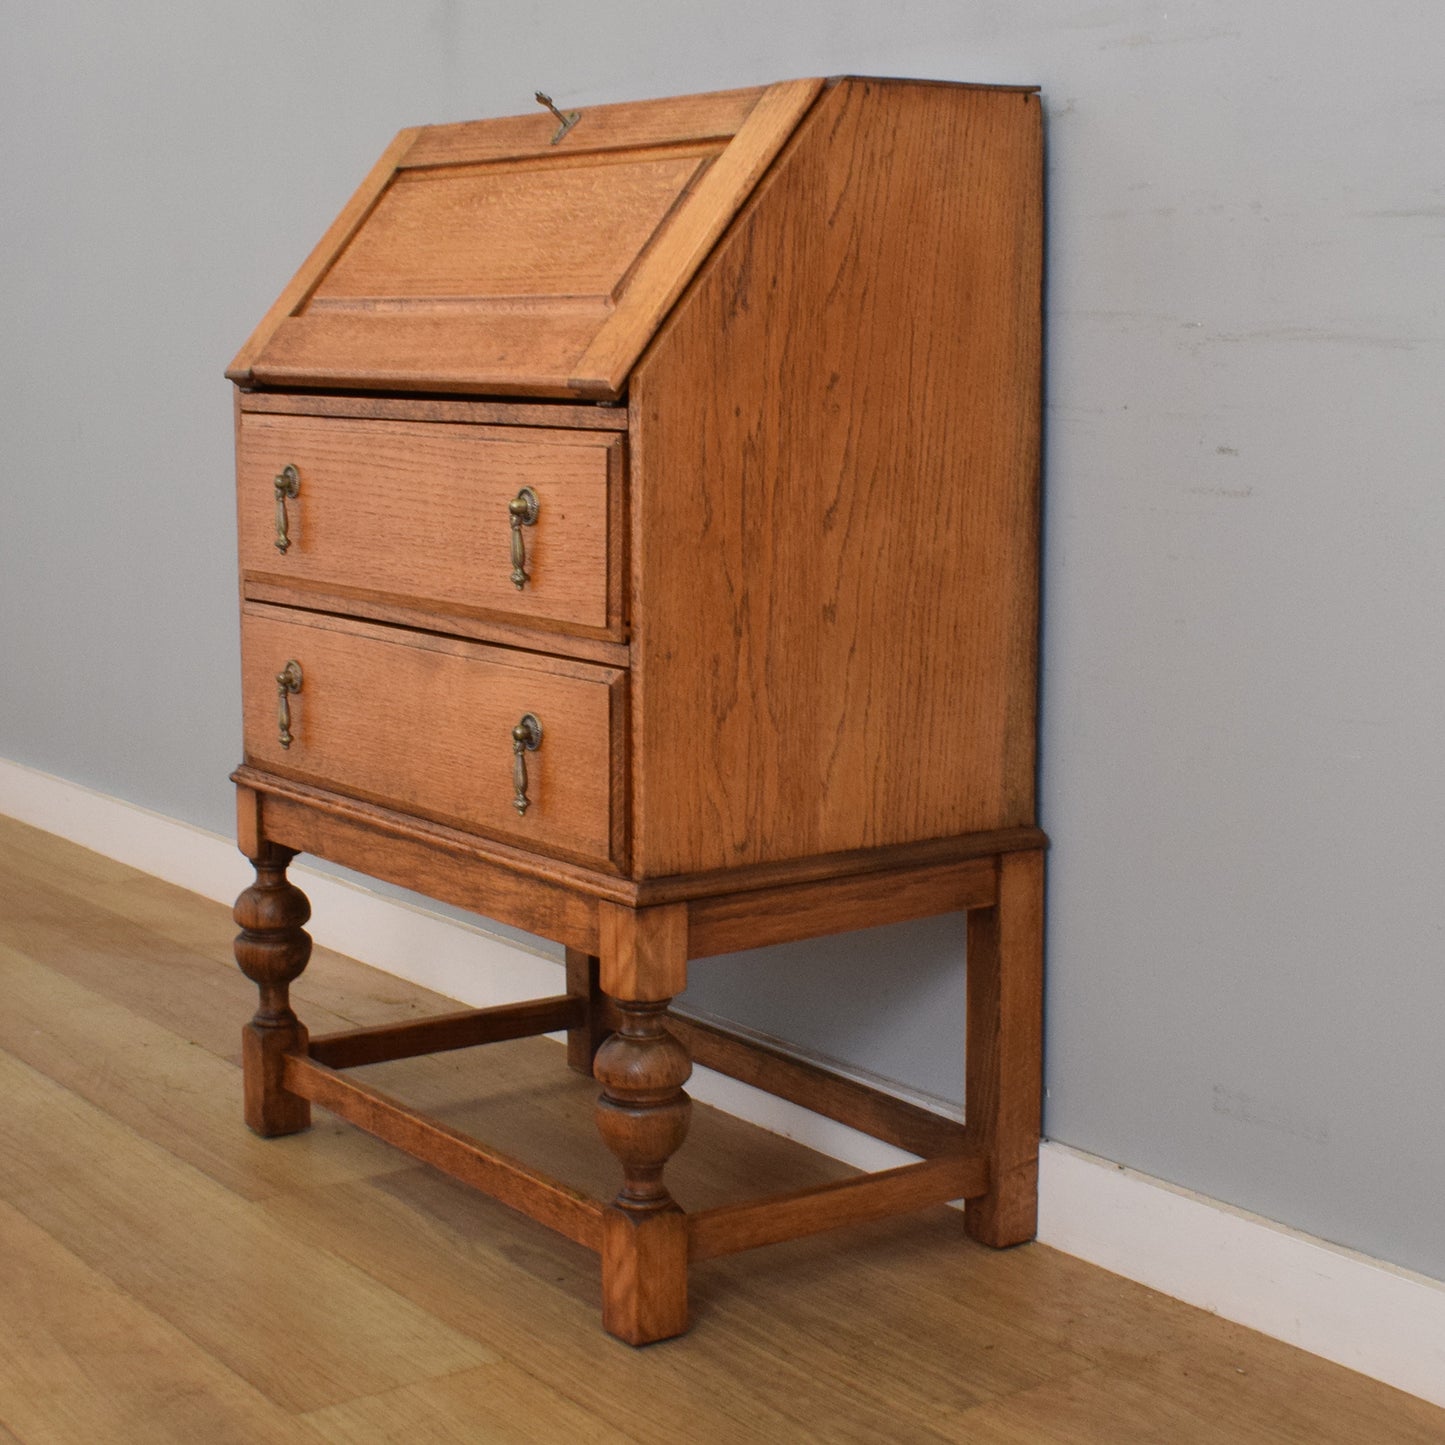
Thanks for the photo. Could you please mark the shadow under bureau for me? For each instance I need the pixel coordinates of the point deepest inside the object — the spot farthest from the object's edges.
(639, 542)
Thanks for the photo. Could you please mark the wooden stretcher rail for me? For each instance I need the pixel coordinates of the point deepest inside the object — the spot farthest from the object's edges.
(735, 1227)
(462, 1030)
(813, 909)
(507, 1180)
(869, 1110)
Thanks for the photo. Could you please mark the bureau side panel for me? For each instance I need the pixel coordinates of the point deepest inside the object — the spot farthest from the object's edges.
(835, 504)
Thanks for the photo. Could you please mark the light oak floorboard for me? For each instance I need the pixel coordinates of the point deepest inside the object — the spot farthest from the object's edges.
(81, 1360)
(764, 1377)
(304, 1328)
(134, 915)
(1233, 1386)
(517, 1410)
(175, 1278)
(169, 1091)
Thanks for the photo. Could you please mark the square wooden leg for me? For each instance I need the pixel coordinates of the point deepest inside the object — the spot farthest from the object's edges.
(1004, 1065)
(271, 1109)
(644, 1274)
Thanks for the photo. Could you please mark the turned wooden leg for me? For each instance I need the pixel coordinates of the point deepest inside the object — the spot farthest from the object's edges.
(583, 981)
(272, 948)
(1004, 1064)
(642, 1115)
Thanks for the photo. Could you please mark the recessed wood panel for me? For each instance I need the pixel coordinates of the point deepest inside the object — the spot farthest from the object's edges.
(424, 724)
(479, 238)
(418, 513)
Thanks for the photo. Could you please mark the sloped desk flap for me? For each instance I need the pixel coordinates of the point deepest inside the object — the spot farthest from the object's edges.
(486, 257)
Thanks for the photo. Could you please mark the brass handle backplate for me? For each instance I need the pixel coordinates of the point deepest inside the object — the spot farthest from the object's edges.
(287, 484)
(522, 511)
(288, 680)
(526, 738)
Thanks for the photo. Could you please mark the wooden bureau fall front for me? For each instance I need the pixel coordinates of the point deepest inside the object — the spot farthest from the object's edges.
(639, 545)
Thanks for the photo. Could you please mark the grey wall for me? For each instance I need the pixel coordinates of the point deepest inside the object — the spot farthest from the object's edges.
(1244, 619)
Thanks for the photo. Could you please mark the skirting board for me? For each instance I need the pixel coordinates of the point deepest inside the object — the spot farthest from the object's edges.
(1362, 1313)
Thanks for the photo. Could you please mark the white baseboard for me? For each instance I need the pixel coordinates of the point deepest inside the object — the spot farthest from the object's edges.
(1365, 1314)
(1362, 1313)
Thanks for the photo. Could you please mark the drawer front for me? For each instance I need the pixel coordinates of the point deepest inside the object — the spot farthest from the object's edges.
(418, 513)
(425, 724)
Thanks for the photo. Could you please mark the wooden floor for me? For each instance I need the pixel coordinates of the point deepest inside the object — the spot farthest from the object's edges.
(165, 1276)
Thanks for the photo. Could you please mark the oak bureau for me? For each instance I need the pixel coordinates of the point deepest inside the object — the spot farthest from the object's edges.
(639, 543)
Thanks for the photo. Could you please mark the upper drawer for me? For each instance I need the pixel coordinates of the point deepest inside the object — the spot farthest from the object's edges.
(419, 513)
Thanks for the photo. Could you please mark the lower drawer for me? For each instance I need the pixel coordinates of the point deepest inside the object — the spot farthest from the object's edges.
(425, 724)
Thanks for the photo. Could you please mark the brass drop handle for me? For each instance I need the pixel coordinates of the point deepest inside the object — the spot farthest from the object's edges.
(288, 483)
(522, 511)
(288, 680)
(526, 738)
(565, 120)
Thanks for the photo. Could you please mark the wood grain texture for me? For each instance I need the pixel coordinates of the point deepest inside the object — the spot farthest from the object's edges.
(486, 854)
(643, 952)
(424, 723)
(583, 644)
(84, 1361)
(500, 263)
(544, 895)
(643, 1115)
(417, 513)
(1233, 1387)
(829, 570)
(665, 268)
(558, 231)
(167, 1089)
(618, 554)
(584, 984)
(583, 415)
(846, 589)
(902, 1330)
(1003, 1060)
(465, 1029)
(729, 923)
(626, 126)
(902, 859)
(504, 1400)
(731, 1228)
(642, 1112)
(272, 949)
(131, 943)
(644, 1275)
(504, 1179)
(502, 353)
(211, 1265)
(817, 1340)
(248, 822)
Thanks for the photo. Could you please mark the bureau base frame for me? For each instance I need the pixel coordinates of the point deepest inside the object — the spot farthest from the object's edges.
(625, 964)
